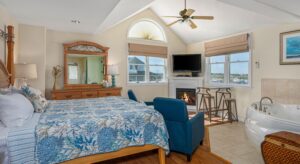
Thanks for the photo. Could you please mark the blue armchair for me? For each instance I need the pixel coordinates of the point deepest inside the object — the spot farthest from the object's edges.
(185, 134)
(132, 96)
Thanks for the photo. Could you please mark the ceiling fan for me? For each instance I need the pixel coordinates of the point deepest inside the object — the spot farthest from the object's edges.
(185, 15)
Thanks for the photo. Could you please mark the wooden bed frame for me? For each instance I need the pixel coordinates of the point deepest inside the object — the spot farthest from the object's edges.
(7, 78)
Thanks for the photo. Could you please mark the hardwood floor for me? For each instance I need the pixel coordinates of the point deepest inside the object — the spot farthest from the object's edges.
(201, 156)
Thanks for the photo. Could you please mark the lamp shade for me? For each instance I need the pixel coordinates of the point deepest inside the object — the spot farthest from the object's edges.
(26, 71)
(113, 70)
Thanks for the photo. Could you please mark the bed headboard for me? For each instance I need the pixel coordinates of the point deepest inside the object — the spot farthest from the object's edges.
(4, 76)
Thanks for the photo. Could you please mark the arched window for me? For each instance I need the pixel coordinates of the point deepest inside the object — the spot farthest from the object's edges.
(147, 30)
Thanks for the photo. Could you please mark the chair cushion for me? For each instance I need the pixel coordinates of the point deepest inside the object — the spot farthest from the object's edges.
(171, 109)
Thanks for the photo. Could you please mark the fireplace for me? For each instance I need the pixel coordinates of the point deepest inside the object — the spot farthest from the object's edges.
(188, 95)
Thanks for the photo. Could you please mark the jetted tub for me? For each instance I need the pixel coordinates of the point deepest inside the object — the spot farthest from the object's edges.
(273, 118)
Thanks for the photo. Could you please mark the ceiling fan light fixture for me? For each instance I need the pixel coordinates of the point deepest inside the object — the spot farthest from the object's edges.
(185, 16)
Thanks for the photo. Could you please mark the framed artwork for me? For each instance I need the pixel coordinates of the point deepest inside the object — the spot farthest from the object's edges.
(290, 47)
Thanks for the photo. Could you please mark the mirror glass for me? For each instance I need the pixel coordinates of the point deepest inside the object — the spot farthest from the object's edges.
(85, 69)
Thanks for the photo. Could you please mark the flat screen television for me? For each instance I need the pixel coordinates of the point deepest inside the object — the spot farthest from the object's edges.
(187, 62)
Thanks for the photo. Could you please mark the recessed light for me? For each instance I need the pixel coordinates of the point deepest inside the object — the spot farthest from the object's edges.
(75, 21)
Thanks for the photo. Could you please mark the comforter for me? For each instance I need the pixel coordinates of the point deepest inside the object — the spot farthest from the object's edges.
(75, 128)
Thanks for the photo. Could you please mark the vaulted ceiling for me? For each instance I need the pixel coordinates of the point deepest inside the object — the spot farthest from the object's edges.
(231, 16)
(94, 15)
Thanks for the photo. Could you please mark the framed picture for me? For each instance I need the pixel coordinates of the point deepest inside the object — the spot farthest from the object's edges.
(290, 47)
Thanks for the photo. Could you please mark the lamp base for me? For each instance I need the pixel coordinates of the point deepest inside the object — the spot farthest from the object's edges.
(113, 81)
(19, 83)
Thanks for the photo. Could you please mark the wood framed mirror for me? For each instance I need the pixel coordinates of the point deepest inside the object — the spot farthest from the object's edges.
(85, 65)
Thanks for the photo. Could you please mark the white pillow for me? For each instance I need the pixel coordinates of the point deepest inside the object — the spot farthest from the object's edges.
(15, 109)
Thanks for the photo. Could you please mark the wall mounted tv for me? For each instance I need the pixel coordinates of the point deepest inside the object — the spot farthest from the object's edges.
(187, 62)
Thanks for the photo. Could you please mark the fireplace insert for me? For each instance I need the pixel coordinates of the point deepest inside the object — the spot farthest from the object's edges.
(188, 95)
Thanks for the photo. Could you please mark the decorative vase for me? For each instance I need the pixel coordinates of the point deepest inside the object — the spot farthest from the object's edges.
(54, 85)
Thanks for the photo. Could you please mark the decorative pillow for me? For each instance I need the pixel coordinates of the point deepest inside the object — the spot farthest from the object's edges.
(15, 109)
(36, 97)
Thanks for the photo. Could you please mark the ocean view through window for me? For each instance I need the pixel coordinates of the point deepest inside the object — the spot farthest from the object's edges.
(231, 70)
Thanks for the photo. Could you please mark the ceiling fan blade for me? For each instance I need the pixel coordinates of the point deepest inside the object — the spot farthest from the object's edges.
(192, 24)
(203, 17)
(173, 22)
(189, 12)
(172, 16)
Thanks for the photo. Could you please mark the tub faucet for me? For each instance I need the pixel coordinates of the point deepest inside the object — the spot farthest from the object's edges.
(261, 100)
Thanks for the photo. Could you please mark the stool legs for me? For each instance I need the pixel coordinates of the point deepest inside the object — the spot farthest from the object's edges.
(230, 115)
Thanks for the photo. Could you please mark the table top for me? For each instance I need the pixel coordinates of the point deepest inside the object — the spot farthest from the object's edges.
(215, 87)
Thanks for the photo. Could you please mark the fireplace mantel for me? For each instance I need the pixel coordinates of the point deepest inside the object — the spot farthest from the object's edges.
(184, 82)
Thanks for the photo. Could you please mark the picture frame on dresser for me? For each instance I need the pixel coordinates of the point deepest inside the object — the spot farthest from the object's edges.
(290, 48)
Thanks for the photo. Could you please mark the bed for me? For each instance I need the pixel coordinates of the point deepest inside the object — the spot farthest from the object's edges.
(88, 130)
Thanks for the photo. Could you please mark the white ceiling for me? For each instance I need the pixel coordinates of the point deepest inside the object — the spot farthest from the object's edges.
(94, 15)
(231, 16)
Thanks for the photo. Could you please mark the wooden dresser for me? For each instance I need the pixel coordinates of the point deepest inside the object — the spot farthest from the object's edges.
(66, 94)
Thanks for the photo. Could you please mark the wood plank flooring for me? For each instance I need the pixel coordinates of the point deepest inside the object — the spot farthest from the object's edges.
(201, 156)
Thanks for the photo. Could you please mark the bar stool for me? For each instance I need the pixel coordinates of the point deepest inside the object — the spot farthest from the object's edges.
(206, 101)
(230, 102)
(224, 93)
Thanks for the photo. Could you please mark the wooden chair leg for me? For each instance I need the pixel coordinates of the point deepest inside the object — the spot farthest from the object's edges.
(201, 142)
(161, 156)
(188, 157)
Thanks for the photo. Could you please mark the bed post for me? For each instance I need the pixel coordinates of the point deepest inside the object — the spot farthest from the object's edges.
(161, 156)
(10, 53)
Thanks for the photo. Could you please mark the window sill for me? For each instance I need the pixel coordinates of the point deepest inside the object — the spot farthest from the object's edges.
(228, 85)
(146, 84)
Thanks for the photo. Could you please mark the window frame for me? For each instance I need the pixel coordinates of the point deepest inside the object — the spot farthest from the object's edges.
(227, 71)
(147, 72)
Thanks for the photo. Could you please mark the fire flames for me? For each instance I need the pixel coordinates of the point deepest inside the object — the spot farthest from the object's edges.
(185, 97)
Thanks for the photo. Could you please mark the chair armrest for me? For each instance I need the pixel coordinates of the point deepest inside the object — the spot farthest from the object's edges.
(195, 129)
(149, 103)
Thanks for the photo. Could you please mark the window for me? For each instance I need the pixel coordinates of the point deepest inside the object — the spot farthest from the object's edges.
(233, 69)
(146, 69)
(147, 30)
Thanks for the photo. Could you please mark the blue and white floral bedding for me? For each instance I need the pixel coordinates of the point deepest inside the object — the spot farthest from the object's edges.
(75, 128)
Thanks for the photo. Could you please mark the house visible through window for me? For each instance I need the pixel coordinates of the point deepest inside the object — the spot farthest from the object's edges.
(232, 69)
(146, 69)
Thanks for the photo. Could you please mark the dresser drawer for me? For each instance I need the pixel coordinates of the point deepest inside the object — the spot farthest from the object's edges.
(68, 95)
(109, 93)
(89, 94)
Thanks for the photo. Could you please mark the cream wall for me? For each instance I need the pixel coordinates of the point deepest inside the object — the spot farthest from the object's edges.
(32, 50)
(115, 38)
(265, 50)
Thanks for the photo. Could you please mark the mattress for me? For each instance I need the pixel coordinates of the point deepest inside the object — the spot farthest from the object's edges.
(11, 138)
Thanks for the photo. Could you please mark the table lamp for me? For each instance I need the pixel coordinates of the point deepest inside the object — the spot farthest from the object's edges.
(25, 72)
(113, 70)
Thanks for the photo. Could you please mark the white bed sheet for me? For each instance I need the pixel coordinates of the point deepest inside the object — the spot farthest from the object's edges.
(3, 143)
(4, 155)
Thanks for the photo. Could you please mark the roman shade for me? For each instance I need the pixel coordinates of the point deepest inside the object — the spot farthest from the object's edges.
(147, 50)
(233, 44)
